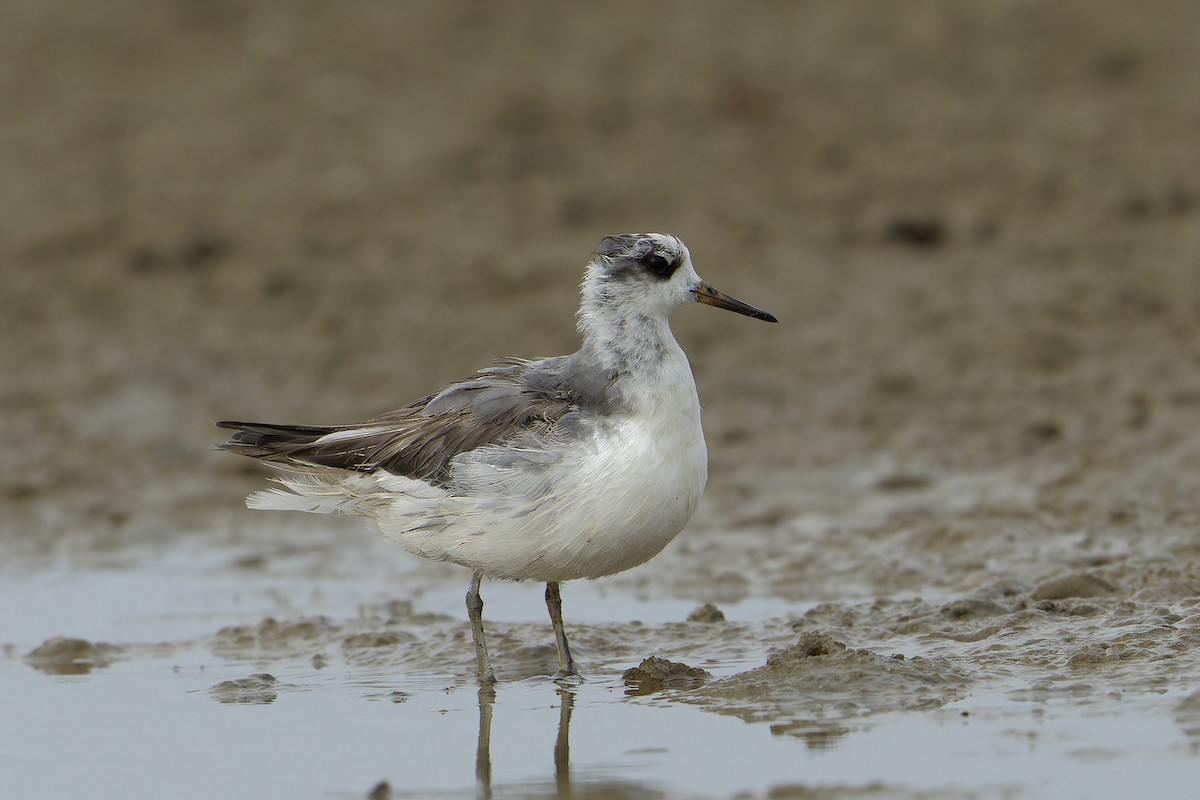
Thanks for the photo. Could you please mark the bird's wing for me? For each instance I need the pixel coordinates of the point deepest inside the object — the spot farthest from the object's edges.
(494, 406)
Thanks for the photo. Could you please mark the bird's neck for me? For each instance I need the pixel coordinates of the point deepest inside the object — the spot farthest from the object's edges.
(624, 341)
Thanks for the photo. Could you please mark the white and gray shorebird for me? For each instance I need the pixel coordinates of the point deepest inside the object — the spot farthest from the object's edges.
(549, 469)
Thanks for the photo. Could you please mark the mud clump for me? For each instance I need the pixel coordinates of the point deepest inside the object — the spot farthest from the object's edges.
(972, 608)
(1082, 584)
(375, 647)
(655, 674)
(381, 791)
(707, 613)
(811, 645)
(819, 681)
(372, 641)
(64, 655)
(257, 689)
(272, 637)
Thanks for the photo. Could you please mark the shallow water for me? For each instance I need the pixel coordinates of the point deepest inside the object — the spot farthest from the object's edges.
(149, 727)
(174, 706)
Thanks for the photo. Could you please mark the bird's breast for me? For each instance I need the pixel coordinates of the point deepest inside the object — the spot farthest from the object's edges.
(636, 487)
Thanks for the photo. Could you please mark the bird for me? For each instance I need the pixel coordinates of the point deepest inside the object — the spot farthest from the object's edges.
(545, 469)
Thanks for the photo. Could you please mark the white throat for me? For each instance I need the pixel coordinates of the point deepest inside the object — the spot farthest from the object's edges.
(625, 340)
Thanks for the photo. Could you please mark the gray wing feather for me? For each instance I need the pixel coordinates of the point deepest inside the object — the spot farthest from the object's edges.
(494, 406)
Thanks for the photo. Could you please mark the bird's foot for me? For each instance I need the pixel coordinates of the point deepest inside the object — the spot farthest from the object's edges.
(567, 678)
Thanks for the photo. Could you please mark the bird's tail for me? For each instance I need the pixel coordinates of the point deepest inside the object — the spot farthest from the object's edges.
(307, 486)
(269, 442)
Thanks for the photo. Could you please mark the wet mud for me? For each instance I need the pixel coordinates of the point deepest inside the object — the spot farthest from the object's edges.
(827, 683)
(959, 478)
(64, 655)
(655, 674)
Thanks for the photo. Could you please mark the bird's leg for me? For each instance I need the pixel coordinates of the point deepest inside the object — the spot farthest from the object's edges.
(475, 612)
(566, 665)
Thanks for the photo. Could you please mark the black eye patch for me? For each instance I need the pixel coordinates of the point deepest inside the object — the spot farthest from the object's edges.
(658, 265)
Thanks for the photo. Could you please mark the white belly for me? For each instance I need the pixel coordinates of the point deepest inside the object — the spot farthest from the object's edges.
(632, 497)
(610, 502)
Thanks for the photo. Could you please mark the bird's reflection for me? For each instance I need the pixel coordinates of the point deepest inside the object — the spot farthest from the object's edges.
(562, 743)
(483, 749)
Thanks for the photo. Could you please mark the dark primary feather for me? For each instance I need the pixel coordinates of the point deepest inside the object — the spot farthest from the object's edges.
(494, 406)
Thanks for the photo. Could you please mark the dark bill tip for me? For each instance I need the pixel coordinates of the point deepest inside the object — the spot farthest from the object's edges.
(711, 297)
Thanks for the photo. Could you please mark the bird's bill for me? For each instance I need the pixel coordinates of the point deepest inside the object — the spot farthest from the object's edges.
(711, 297)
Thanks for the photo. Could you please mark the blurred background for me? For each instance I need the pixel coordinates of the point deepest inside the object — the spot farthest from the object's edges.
(977, 223)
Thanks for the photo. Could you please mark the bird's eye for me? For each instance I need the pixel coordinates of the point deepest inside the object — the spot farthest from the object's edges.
(658, 266)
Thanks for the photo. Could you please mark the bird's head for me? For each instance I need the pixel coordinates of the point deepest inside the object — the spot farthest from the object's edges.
(650, 274)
